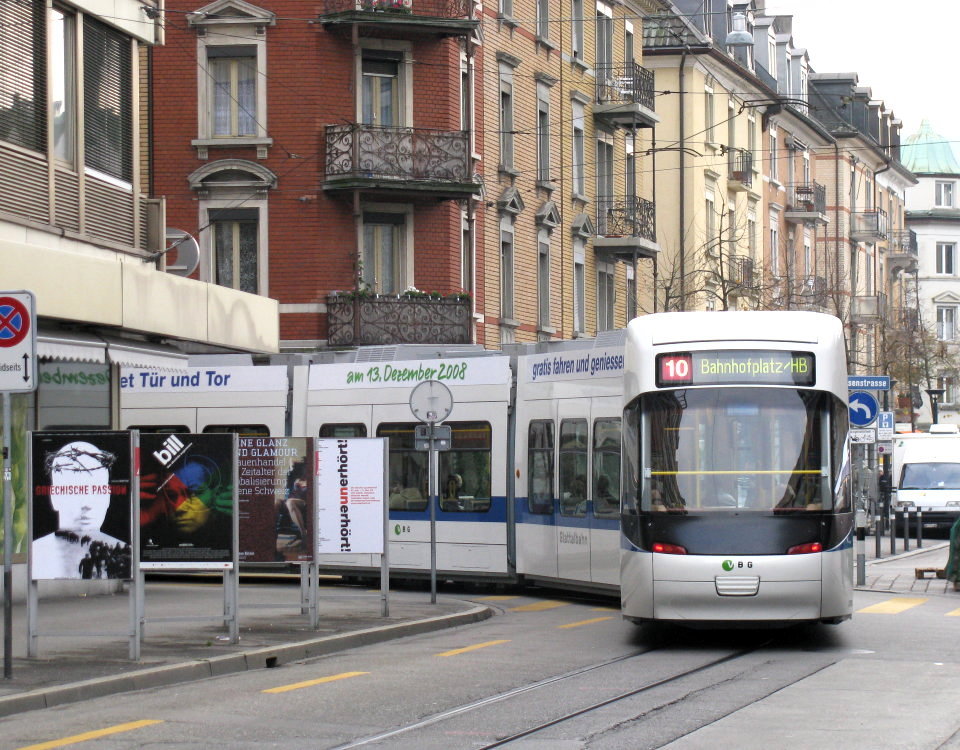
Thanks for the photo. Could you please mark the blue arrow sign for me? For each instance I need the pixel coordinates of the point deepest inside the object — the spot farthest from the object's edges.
(863, 408)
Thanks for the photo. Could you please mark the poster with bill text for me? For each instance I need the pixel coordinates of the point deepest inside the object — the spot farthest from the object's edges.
(350, 492)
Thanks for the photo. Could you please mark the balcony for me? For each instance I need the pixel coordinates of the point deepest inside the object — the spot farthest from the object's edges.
(358, 320)
(741, 272)
(868, 226)
(812, 293)
(626, 228)
(907, 318)
(624, 96)
(806, 203)
(902, 251)
(401, 18)
(739, 169)
(869, 309)
(399, 162)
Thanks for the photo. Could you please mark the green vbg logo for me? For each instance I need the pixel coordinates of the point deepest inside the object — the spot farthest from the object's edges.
(396, 529)
(728, 565)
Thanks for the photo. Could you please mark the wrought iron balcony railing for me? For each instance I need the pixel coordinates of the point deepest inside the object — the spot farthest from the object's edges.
(434, 9)
(625, 82)
(628, 216)
(359, 320)
(411, 155)
(903, 242)
(807, 198)
(740, 166)
(741, 271)
(868, 226)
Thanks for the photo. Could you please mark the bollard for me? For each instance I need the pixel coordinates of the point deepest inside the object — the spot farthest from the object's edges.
(878, 533)
(919, 527)
(906, 529)
(893, 531)
(861, 556)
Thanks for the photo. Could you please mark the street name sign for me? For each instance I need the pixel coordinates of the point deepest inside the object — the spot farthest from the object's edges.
(18, 343)
(868, 382)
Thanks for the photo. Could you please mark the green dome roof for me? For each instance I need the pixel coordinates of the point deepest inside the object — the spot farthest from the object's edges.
(927, 152)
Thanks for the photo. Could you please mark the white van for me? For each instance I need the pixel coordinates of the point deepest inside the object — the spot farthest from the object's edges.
(926, 476)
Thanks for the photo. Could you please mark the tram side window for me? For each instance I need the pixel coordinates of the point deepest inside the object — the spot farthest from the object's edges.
(606, 468)
(408, 467)
(158, 429)
(344, 430)
(572, 456)
(540, 466)
(243, 430)
(465, 469)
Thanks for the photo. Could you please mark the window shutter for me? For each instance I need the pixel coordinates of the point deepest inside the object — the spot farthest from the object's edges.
(108, 100)
(23, 74)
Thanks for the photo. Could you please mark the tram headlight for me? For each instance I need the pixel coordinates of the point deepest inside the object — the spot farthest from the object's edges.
(669, 549)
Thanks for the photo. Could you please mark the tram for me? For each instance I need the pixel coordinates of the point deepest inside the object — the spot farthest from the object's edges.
(737, 504)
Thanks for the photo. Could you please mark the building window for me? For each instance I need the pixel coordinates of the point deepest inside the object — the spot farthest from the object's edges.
(605, 179)
(577, 168)
(23, 74)
(631, 293)
(576, 26)
(630, 167)
(543, 277)
(752, 234)
(63, 83)
(774, 245)
(752, 140)
(543, 134)
(108, 100)
(710, 221)
(772, 146)
(233, 75)
(380, 100)
(605, 296)
(467, 254)
(604, 39)
(944, 197)
(579, 290)
(235, 233)
(506, 117)
(628, 56)
(384, 252)
(506, 8)
(946, 258)
(543, 19)
(506, 268)
(946, 323)
(708, 114)
(949, 385)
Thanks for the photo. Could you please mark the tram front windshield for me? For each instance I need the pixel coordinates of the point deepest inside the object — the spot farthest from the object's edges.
(734, 449)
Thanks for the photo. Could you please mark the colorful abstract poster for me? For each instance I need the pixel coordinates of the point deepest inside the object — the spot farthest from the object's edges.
(82, 505)
(276, 499)
(350, 495)
(187, 501)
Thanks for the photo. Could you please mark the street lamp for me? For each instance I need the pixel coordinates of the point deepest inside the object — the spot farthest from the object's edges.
(935, 394)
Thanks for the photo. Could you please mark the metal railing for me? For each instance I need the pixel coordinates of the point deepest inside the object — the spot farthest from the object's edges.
(903, 241)
(627, 216)
(869, 225)
(397, 153)
(625, 82)
(740, 165)
(807, 197)
(425, 8)
(741, 271)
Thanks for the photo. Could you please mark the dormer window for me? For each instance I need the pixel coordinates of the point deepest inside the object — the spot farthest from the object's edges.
(944, 196)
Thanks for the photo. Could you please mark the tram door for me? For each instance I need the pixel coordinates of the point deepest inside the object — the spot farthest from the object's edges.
(573, 476)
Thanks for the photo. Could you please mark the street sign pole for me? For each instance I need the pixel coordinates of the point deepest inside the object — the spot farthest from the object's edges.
(7, 545)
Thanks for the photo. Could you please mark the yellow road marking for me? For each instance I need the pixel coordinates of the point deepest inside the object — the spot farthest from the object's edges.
(310, 683)
(538, 606)
(471, 648)
(499, 598)
(892, 606)
(605, 609)
(584, 622)
(955, 613)
(97, 733)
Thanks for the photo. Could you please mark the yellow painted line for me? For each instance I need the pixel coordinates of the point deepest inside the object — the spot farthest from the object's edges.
(311, 683)
(96, 734)
(584, 622)
(471, 648)
(605, 609)
(538, 606)
(892, 606)
(499, 598)
(955, 613)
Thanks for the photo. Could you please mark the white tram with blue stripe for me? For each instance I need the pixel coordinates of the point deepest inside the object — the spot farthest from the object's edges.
(736, 499)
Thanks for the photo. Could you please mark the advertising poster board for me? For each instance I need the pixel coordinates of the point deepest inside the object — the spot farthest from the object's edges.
(350, 495)
(187, 501)
(82, 505)
(276, 499)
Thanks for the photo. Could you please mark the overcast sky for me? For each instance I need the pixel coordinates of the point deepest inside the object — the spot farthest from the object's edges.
(904, 51)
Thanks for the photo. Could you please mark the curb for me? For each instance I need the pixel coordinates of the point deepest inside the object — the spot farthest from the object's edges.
(901, 555)
(261, 658)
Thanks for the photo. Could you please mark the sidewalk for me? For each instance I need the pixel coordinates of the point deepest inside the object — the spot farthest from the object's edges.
(74, 665)
(898, 573)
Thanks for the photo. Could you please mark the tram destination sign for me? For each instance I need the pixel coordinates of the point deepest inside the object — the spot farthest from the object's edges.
(735, 367)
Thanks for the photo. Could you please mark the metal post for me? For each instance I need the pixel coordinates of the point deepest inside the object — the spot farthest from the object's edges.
(919, 527)
(7, 545)
(385, 555)
(432, 464)
(906, 529)
(877, 532)
(861, 557)
(893, 530)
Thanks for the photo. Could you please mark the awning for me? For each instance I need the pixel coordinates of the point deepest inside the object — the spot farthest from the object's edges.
(142, 354)
(71, 347)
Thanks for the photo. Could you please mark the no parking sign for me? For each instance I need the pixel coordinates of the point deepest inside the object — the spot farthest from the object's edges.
(18, 342)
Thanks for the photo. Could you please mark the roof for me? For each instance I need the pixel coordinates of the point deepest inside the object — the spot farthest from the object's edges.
(927, 152)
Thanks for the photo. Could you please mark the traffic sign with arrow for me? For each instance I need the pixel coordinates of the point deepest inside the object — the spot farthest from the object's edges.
(18, 343)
